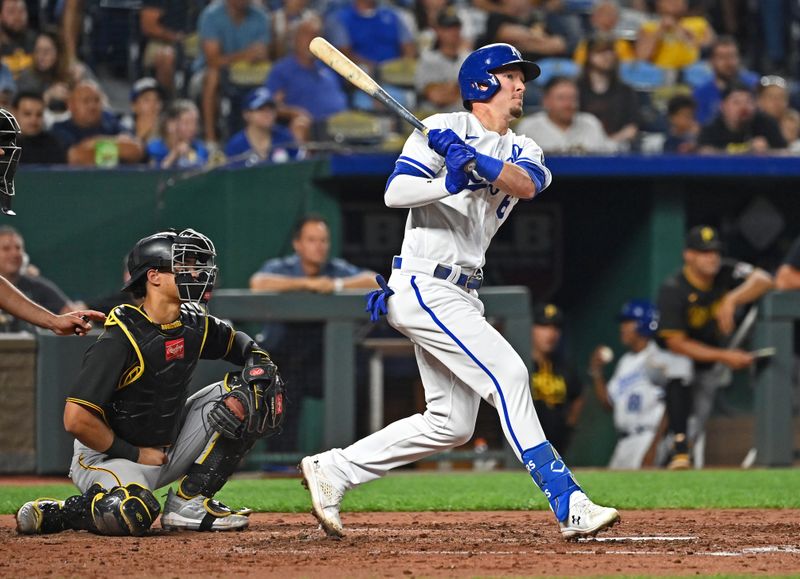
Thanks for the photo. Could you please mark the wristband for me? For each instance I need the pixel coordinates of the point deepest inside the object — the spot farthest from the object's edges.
(338, 285)
(488, 167)
(122, 449)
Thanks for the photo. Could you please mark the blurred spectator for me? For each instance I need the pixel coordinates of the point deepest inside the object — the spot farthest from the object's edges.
(370, 34)
(520, 24)
(16, 39)
(436, 76)
(303, 87)
(164, 25)
(603, 21)
(262, 140)
(146, 106)
(179, 148)
(726, 68)
(697, 306)
(8, 88)
(790, 129)
(37, 288)
(635, 391)
(560, 128)
(788, 275)
(93, 136)
(777, 18)
(231, 31)
(673, 40)
(285, 20)
(557, 391)
(682, 127)
(739, 127)
(772, 97)
(48, 67)
(298, 345)
(603, 94)
(38, 145)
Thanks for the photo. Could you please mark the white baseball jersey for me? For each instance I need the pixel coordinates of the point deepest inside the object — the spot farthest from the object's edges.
(638, 403)
(458, 228)
(461, 357)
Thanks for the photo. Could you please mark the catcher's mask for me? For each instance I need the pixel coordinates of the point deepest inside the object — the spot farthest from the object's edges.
(9, 130)
(194, 266)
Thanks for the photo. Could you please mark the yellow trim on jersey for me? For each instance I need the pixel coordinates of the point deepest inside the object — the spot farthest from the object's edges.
(230, 342)
(89, 405)
(670, 333)
(696, 282)
(205, 334)
(172, 325)
(225, 381)
(134, 372)
(109, 471)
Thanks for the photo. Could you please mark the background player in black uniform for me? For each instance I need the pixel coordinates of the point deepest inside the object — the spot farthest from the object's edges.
(136, 427)
(697, 306)
(557, 391)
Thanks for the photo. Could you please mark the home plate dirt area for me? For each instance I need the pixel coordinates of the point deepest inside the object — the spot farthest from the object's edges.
(431, 544)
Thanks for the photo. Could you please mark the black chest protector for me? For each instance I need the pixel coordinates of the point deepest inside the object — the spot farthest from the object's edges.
(146, 408)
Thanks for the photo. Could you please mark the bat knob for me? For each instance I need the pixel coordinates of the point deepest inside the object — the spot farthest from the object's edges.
(469, 167)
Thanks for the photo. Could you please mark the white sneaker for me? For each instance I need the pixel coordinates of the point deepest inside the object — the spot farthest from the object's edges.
(586, 519)
(325, 497)
(39, 516)
(201, 514)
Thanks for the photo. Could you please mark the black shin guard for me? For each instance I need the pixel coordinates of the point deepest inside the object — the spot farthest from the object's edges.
(77, 510)
(213, 469)
(679, 406)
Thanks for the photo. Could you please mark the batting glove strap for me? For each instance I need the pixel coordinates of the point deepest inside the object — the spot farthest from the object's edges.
(376, 299)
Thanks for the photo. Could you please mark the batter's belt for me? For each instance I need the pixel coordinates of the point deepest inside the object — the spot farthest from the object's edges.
(448, 272)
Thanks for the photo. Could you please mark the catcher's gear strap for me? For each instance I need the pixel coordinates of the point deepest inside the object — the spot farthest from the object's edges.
(128, 510)
(216, 510)
(214, 467)
(552, 476)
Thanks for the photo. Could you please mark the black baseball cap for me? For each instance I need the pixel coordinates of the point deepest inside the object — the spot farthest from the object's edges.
(703, 238)
(447, 18)
(547, 315)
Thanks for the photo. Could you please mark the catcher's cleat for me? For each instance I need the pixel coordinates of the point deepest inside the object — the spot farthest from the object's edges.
(201, 514)
(325, 497)
(585, 518)
(40, 517)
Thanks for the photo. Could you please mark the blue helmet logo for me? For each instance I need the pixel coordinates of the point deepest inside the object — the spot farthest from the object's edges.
(476, 79)
(644, 313)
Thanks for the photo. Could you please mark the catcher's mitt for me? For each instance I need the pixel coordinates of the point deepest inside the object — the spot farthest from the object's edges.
(250, 410)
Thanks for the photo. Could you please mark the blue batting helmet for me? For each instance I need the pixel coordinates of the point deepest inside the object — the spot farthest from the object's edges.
(644, 313)
(475, 78)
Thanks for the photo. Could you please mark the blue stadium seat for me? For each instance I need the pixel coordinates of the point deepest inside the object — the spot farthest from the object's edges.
(552, 67)
(642, 76)
(697, 74)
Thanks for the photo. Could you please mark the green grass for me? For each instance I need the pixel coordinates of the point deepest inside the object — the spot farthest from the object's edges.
(469, 491)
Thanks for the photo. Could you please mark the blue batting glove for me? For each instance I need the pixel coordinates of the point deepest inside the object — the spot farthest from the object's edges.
(440, 140)
(457, 157)
(376, 299)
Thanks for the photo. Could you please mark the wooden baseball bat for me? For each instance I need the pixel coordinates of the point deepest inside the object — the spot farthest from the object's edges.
(350, 71)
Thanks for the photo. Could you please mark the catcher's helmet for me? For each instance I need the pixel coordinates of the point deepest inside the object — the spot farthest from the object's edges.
(189, 255)
(475, 77)
(9, 131)
(644, 313)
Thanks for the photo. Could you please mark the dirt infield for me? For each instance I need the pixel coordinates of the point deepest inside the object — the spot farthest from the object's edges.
(497, 544)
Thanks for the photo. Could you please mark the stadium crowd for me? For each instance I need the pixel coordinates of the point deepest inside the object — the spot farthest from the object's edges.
(233, 81)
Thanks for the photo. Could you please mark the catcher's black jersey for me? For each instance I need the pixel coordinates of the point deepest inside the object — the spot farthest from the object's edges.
(690, 309)
(136, 375)
(555, 386)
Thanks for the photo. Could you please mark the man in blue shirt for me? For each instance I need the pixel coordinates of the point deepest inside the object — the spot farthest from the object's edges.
(370, 34)
(301, 84)
(726, 66)
(230, 31)
(262, 140)
(299, 344)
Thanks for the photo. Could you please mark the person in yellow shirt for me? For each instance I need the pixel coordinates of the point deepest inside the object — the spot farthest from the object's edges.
(673, 40)
(604, 19)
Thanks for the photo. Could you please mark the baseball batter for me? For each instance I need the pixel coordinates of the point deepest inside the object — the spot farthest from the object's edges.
(135, 426)
(635, 391)
(432, 297)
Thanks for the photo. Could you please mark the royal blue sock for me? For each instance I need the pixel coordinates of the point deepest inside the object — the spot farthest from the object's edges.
(552, 476)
